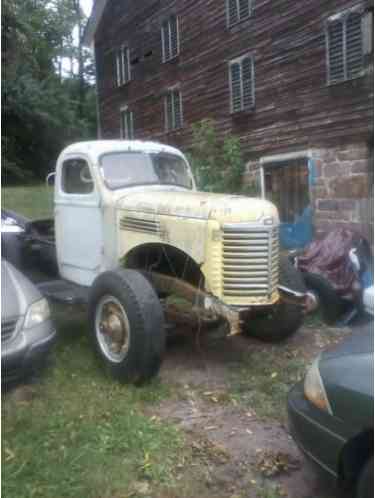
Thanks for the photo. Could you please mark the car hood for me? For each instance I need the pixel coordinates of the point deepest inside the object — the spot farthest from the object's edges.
(203, 205)
(17, 292)
(347, 372)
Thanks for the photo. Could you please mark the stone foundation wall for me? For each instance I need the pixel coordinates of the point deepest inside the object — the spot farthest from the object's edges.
(342, 195)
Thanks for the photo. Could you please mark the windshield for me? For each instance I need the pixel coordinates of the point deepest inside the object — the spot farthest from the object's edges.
(125, 169)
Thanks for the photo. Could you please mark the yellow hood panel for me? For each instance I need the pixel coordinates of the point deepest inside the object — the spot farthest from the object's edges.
(224, 208)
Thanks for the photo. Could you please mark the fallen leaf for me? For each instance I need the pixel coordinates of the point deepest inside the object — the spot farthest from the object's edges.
(141, 487)
(10, 454)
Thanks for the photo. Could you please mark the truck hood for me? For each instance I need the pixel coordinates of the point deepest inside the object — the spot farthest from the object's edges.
(201, 205)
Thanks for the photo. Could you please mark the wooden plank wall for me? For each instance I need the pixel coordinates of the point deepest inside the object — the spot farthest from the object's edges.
(295, 109)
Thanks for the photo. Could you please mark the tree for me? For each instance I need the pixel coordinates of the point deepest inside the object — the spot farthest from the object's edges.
(42, 108)
(217, 164)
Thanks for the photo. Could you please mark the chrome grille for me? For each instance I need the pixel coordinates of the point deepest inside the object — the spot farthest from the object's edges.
(8, 328)
(250, 260)
(139, 225)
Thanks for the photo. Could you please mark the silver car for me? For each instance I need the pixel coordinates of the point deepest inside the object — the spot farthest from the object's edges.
(27, 332)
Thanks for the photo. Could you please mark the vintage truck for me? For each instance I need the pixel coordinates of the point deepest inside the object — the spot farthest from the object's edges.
(131, 230)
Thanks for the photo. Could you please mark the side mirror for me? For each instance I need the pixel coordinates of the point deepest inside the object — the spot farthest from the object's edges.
(50, 179)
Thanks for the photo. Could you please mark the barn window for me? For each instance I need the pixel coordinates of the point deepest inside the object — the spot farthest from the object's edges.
(170, 38)
(347, 40)
(238, 10)
(126, 124)
(173, 110)
(122, 66)
(242, 86)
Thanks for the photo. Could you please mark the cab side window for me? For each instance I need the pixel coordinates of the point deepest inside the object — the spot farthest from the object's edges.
(76, 177)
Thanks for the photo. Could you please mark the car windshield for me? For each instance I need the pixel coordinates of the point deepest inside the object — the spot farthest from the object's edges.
(125, 169)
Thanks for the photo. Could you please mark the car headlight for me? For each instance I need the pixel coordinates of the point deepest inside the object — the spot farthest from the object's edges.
(314, 388)
(37, 313)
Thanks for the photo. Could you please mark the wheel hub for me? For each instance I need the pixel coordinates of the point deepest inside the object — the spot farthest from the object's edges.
(113, 331)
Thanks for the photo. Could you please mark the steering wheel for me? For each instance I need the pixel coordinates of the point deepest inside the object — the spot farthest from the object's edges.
(85, 175)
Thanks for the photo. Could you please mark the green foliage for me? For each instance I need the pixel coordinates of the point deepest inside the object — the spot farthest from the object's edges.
(217, 164)
(42, 110)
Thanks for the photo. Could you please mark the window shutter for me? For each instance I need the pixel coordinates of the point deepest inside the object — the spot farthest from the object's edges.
(174, 36)
(248, 83)
(354, 50)
(118, 69)
(336, 51)
(244, 6)
(232, 11)
(169, 111)
(165, 40)
(235, 73)
(177, 106)
(127, 125)
(125, 65)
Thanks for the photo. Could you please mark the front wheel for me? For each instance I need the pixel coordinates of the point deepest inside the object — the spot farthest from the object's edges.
(365, 487)
(283, 319)
(127, 325)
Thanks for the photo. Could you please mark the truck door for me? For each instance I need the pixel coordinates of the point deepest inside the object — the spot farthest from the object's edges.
(78, 221)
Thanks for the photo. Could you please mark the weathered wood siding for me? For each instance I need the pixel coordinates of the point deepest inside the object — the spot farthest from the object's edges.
(294, 107)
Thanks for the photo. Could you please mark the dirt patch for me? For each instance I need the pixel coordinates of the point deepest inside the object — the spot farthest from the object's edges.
(246, 455)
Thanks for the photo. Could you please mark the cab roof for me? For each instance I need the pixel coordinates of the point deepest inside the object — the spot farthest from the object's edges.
(96, 148)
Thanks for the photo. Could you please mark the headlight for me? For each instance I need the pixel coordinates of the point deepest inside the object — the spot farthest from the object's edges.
(314, 388)
(37, 313)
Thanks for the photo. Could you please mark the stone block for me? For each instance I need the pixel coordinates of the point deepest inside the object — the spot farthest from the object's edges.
(353, 153)
(360, 166)
(350, 187)
(333, 169)
(327, 205)
(347, 204)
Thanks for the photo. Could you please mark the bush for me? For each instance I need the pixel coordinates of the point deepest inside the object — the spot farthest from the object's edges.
(217, 164)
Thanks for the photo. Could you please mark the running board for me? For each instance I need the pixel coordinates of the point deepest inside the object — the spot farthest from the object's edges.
(64, 292)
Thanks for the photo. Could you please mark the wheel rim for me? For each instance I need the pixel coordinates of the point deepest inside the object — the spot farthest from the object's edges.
(112, 329)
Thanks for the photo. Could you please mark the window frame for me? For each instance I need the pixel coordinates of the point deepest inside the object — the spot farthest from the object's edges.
(61, 180)
(238, 11)
(342, 17)
(121, 66)
(172, 91)
(123, 129)
(239, 60)
(163, 40)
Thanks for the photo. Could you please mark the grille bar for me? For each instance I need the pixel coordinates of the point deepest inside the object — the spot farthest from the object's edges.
(250, 265)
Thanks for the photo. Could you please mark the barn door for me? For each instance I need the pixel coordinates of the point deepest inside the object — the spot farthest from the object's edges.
(286, 184)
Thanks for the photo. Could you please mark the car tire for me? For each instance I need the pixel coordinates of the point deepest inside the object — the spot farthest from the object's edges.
(284, 319)
(330, 303)
(127, 325)
(365, 488)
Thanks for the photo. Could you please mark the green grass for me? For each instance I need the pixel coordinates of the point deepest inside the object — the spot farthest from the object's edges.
(80, 433)
(34, 202)
(262, 380)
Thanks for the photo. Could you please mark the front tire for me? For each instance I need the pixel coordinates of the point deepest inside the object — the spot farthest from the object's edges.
(284, 319)
(365, 487)
(127, 325)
